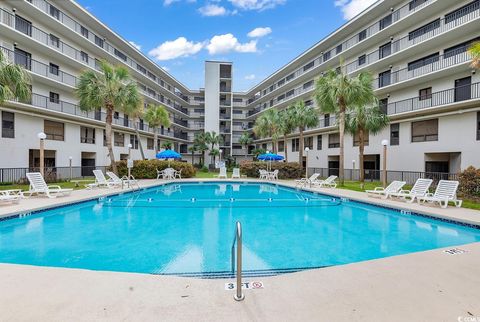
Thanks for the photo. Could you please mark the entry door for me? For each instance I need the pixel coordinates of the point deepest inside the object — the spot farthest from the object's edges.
(88, 165)
(333, 168)
(463, 89)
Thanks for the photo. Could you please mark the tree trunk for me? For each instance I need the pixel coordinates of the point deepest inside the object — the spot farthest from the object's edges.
(341, 128)
(246, 151)
(285, 147)
(361, 149)
(108, 137)
(139, 140)
(300, 151)
(155, 142)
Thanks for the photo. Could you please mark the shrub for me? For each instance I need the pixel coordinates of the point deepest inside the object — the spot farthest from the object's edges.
(470, 182)
(286, 170)
(147, 169)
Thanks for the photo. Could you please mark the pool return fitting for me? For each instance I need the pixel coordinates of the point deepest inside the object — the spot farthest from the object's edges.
(239, 296)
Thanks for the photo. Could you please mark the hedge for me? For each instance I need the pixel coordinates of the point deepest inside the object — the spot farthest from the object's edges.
(470, 182)
(286, 170)
(147, 169)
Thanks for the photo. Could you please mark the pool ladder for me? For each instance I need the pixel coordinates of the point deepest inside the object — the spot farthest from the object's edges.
(239, 296)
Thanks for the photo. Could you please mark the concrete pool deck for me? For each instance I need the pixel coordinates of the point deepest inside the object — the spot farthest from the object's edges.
(424, 286)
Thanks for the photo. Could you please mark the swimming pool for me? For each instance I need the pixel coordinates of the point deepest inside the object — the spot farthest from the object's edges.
(188, 228)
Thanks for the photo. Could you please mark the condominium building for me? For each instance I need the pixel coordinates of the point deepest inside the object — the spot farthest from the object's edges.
(416, 49)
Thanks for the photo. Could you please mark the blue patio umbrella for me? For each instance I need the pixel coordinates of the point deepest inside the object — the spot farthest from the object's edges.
(270, 157)
(168, 154)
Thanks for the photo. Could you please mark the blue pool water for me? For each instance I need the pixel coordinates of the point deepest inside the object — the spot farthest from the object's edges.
(189, 228)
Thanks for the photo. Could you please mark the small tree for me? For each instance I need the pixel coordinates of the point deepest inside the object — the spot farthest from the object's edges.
(302, 117)
(14, 81)
(214, 153)
(475, 53)
(192, 150)
(245, 140)
(268, 126)
(167, 145)
(200, 142)
(213, 139)
(287, 125)
(156, 116)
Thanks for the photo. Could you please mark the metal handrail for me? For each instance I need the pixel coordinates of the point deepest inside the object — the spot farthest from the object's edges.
(239, 296)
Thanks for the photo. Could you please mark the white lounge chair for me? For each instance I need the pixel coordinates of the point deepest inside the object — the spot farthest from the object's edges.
(38, 186)
(223, 173)
(329, 182)
(102, 181)
(419, 189)
(236, 173)
(12, 196)
(446, 192)
(304, 181)
(124, 180)
(393, 187)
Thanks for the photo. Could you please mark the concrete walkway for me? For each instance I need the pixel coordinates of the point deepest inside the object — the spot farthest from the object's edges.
(424, 286)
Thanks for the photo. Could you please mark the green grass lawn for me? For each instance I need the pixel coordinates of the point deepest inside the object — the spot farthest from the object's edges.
(64, 184)
(209, 175)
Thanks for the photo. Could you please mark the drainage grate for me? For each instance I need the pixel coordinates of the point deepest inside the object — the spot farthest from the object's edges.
(455, 251)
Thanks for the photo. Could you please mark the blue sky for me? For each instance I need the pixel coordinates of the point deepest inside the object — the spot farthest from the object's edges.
(258, 36)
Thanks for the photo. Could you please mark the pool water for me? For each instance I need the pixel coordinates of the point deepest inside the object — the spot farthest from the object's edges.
(188, 229)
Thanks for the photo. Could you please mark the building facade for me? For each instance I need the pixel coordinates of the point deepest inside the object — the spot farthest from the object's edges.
(416, 49)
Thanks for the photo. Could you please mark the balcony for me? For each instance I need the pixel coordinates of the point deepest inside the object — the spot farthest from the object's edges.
(225, 117)
(225, 89)
(225, 103)
(225, 130)
(180, 122)
(181, 135)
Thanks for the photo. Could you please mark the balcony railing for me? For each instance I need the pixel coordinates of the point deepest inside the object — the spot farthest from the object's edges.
(407, 41)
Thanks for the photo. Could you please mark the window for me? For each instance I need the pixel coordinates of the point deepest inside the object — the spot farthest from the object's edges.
(384, 78)
(54, 12)
(281, 146)
(333, 140)
(478, 126)
(99, 41)
(116, 115)
(54, 41)
(425, 94)
(54, 69)
(23, 25)
(308, 84)
(385, 50)
(104, 138)
(281, 97)
(319, 142)
(87, 135)
(150, 144)
(84, 56)
(383, 105)
(281, 82)
(362, 35)
(152, 76)
(8, 125)
(290, 93)
(295, 145)
(84, 31)
(289, 77)
(424, 29)
(23, 58)
(356, 139)
(463, 11)
(134, 141)
(119, 54)
(125, 120)
(395, 134)
(385, 22)
(425, 61)
(54, 98)
(362, 60)
(141, 69)
(326, 120)
(423, 131)
(339, 49)
(458, 49)
(308, 66)
(327, 56)
(118, 139)
(415, 3)
(308, 143)
(54, 130)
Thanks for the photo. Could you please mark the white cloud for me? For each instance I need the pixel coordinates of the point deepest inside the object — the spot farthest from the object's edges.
(351, 8)
(222, 44)
(259, 5)
(166, 3)
(259, 32)
(211, 10)
(250, 77)
(135, 45)
(179, 47)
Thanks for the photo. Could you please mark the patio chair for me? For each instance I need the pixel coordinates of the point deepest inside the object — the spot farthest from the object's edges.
(446, 192)
(263, 174)
(304, 181)
(101, 181)
(223, 173)
(272, 175)
(178, 174)
(122, 181)
(160, 174)
(419, 189)
(12, 196)
(393, 187)
(38, 186)
(236, 173)
(328, 183)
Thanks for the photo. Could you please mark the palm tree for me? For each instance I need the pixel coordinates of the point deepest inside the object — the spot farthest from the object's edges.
(14, 81)
(167, 145)
(302, 117)
(258, 151)
(156, 115)
(214, 153)
(336, 92)
(135, 112)
(287, 126)
(268, 126)
(201, 144)
(245, 140)
(193, 149)
(475, 52)
(213, 139)
(363, 120)
(111, 89)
